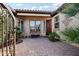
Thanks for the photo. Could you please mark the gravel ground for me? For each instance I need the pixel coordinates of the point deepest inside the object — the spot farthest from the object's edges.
(43, 47)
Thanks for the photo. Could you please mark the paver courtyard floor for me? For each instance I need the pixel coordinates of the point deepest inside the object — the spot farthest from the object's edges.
(43, 47)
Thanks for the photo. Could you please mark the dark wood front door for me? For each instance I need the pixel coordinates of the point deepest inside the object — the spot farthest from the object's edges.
(48, 26)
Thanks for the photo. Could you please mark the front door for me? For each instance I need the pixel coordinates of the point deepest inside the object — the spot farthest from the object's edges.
(48, 26)
(35, 27)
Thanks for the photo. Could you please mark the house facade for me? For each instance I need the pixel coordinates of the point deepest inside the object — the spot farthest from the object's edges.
(34, 22)
(61, 21)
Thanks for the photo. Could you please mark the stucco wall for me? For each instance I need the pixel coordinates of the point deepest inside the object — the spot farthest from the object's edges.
(26, 31)
(26, 27)
(26, 24)
(65, 21)
(43, 31)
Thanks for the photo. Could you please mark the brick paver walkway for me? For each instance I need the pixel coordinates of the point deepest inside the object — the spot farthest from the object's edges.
(44, 47)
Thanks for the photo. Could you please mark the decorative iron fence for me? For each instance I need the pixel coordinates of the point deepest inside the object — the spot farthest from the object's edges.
(7, 31)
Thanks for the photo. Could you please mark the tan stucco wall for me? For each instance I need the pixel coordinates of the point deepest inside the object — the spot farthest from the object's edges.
(26, 27)
(43, 32)
(62, 18)
(26, 20)
(26, 31)
(74, 22)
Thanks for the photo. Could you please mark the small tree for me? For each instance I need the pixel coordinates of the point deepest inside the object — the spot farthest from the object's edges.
(71, 9)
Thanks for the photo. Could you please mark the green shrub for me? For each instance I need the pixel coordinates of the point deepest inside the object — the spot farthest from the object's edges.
(18, 32)
(72, 34)
(53, 36)
(48, 33)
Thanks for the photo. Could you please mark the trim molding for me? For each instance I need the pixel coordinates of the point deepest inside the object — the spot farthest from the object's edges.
(29, 14)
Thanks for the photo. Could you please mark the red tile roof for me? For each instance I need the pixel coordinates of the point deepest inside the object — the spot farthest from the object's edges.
(32, 11)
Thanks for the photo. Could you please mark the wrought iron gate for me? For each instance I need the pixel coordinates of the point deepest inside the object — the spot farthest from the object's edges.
(7, 31)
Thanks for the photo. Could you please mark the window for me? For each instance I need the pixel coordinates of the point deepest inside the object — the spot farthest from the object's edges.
(57, 25)
(56, 22)
(32, 25)
(57, 19)
(20, 24)
(35, 26)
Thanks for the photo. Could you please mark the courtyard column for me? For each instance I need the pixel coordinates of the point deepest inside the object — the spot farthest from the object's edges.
(43, 28)
(26, 28)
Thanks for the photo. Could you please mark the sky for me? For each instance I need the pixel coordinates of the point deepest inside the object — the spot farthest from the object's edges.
(36, 6)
